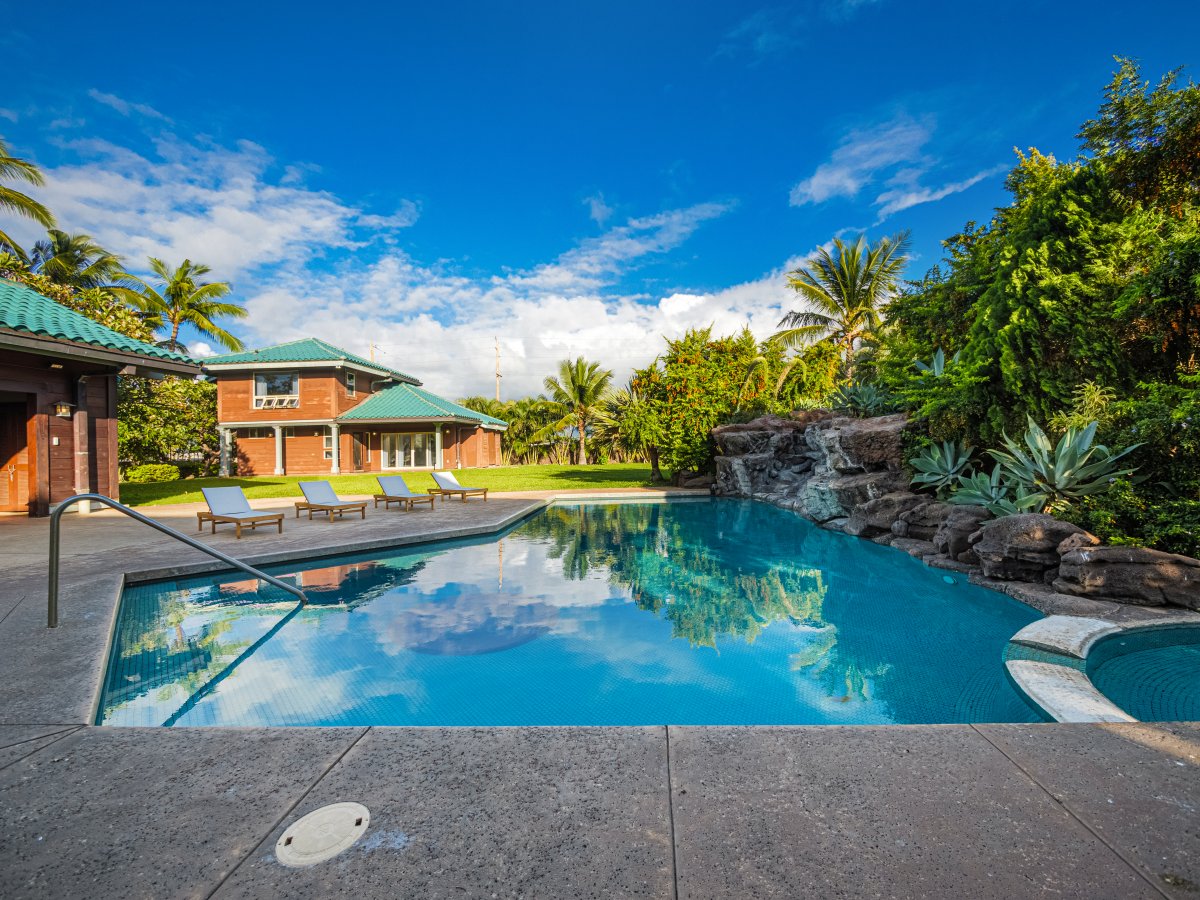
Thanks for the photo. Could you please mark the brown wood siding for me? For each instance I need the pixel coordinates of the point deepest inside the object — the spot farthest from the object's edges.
(322, 396)
(51, 472)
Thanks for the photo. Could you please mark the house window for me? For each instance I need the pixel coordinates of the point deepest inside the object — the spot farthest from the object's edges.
(350, 378)
(328, 443)
(409, 451)
(276, 390)
(264, 432)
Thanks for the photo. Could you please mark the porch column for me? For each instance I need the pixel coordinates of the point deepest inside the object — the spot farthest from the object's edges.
(279, 469)
(83, 450)
(226, 452)
(437, 446)
(336, 441)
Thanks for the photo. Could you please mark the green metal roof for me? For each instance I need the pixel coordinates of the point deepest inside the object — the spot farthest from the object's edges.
(407, 401)
(24, 309)
(305, 350)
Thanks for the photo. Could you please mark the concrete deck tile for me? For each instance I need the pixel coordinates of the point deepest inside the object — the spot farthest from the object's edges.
(156, 813)
(539, 812)
(18, 741)
(890, 811)
(1137, 786)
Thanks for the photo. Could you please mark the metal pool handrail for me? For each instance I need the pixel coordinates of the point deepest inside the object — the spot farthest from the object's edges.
(56, 516)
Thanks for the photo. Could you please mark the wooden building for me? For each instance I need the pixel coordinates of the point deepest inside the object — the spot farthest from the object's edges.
(310, 408)
(58, 399)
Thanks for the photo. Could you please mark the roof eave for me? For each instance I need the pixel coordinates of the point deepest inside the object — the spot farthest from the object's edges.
(44, 345)
(309, 364)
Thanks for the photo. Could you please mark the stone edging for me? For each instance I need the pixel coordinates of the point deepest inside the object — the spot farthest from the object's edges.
(1047, 661)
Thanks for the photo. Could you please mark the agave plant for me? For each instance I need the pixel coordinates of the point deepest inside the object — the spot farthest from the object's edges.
(939, 466)
(993, 493)
(937, 366)
(862, 400)
(1058, 474)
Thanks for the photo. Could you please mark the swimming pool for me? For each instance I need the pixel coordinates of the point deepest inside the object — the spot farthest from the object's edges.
(1152, 674)
(700, 612)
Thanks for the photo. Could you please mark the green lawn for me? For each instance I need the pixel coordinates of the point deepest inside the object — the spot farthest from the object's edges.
(501, 478)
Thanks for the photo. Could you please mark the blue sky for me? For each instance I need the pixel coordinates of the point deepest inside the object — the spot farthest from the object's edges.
(568, 178)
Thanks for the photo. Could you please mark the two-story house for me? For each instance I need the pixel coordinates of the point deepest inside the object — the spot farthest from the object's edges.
(309, 408)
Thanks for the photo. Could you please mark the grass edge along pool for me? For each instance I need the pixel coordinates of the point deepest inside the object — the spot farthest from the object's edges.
(710, 611)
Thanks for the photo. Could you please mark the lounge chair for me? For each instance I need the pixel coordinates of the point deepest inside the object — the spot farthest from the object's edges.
(228, 505)
(319, 496)
(448, 485)
(396, 491)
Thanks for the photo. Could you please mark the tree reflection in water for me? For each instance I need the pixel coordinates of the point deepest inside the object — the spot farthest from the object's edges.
(708, 583)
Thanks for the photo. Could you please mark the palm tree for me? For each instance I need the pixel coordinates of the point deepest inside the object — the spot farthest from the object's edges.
(182, 298)
(578, 390)
(77, 261)
(15, 201)
(846, 291)
(627, 422)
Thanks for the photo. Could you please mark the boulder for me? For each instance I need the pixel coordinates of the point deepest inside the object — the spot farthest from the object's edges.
(913, 547)
(921, 521)
(1076, 541)
(876, 516)
(700, 481)
(1022, 547)
(952, 537)
(1131, 575)
(859, 445)
(834, 496)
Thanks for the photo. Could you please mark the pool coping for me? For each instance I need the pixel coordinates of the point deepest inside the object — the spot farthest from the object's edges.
(1047, 662)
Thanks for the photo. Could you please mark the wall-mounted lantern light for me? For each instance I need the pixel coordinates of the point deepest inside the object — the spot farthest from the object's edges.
(62, 409)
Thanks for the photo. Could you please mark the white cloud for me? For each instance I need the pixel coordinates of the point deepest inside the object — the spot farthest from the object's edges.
(124, 107)
(9, 114)
(200, 349)
(599, 211)
(894, 152)
(860, 156)
(440, 326)
(307, 262)
(902, 197)
(223, 206)
(761, 34)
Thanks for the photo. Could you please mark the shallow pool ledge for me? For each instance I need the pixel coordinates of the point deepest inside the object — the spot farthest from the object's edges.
(1047, 660)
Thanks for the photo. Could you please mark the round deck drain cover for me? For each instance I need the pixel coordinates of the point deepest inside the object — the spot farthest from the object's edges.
(322, 834)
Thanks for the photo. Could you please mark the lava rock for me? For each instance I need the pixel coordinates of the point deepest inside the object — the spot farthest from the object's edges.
(1076, 541)
(859, 445)
(834, 496)
(1021, 547)
(922, 521)
(952, 537)
(1132, 575)
(876, 516)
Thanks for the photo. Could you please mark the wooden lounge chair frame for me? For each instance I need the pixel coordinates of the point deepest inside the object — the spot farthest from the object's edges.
(407, 499)
(239, 521)
(333, 510)
(462, 492)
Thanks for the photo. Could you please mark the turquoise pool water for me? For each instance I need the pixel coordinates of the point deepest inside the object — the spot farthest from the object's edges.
(1154, 675)
(702, 612)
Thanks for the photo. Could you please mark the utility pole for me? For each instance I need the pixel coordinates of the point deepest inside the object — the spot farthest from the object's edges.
(498, 375)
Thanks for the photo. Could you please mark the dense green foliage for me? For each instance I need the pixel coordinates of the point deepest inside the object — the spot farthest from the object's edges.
(1078, 302)
(152, 473)
(172, 419)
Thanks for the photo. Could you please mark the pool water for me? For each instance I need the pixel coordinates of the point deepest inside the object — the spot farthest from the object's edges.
(1154, 675)
(700, 612)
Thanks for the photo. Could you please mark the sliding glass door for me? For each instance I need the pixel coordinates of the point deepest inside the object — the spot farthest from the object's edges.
(410, 451)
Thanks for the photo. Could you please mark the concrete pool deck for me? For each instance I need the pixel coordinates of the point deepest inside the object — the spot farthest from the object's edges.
(823, 811)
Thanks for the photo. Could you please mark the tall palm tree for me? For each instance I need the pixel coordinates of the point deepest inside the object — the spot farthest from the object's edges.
(846, 291)
(181, 298)
(16, 202)
(578, 390)
(77, 261)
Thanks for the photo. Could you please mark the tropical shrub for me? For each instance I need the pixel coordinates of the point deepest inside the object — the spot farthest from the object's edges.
(1058, 474)
(939, 466)
(152, 474)
(994, 494)
(936, 366)
(862, 400)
